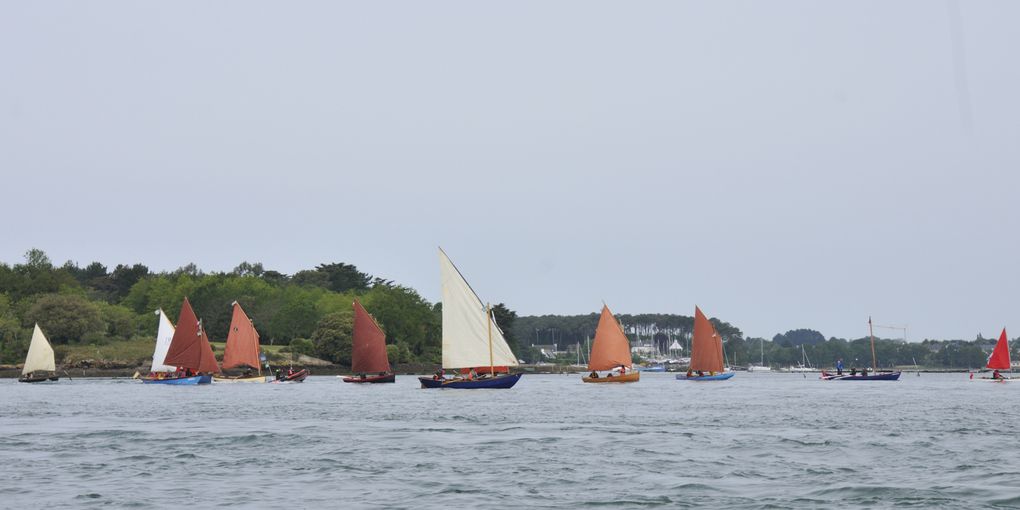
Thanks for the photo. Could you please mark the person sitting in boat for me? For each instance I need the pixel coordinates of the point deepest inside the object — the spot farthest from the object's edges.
(623, 370)
(853, 371)
(864, 372)
(363, 376)
(472, 375)
(995, 375)
(690, 373)
(593, 375)
(438, 376)
(701, 374)
(247, 372)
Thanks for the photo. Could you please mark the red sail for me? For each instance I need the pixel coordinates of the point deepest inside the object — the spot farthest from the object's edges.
(610, 348)
(242, 348)
(706, 349)
(189, 347)
(369, 353)
(999, 360)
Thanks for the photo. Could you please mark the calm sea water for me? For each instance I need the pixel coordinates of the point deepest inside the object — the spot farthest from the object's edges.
(758, 440)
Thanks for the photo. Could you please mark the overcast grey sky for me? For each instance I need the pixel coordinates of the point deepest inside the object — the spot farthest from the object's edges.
(780, 164)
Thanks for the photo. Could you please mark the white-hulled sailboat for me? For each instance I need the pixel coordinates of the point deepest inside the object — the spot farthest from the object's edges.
(471, 339)
(40, 364)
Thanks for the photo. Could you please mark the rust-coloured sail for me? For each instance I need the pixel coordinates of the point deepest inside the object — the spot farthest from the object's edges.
(999, 360)
(369, 354)
(610, 348)
(189, 347)
(706, 349)
(242, 348)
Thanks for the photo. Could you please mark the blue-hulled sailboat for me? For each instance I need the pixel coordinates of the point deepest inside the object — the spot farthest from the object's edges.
(189, 352)
(706, 352)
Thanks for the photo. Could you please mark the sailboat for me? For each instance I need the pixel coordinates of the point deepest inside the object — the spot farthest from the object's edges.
(242, 350)
(40, 364)
(760, 367)
(189, 351)
(610, 351)
(471, 339)
(369, 351)
(875, 375)
(805, 363)
(706, 352)
(999, 360)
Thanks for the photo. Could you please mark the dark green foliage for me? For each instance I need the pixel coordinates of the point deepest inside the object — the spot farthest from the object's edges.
(505, 318)
(796, 337)
(332, 337)
(337, 277)
(65, 318)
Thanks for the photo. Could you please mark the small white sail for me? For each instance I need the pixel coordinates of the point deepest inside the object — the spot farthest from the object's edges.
(466, 324)
(163, 338)
(40, 354)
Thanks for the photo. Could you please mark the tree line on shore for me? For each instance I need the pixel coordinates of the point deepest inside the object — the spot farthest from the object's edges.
(310, 312)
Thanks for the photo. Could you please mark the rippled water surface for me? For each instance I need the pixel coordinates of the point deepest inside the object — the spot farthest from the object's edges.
(758, 440)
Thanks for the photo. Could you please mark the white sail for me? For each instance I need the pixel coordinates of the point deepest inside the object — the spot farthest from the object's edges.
(466, 324)
(163, 338)
(40, 354)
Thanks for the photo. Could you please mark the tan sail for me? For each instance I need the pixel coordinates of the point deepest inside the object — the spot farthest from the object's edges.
(706, 347)
(610, 348)
(40, 354)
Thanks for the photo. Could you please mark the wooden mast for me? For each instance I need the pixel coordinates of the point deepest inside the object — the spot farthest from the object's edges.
(488, 317)
(874, 360)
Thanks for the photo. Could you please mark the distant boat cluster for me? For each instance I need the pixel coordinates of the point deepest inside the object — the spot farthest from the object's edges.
(475, 352)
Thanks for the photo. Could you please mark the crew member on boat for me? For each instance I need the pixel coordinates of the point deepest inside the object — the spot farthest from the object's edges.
(995, 374)
(839, 366)
(593, 375)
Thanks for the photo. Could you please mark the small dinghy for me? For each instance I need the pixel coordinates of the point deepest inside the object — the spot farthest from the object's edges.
(369, 350)
(610, 351)
(40, 364)
(291, 376)
(998, 360)
(189, 351)
(707, 360)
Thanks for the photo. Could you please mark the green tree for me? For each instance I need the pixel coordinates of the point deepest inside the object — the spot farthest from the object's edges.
(332, 337)
(505, 318)
(65, 317)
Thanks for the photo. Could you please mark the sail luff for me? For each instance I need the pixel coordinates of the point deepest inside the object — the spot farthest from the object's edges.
(242, 349)
(611, 347)
(465, 324)
(40, 354)
(368, 353)
(999, 359)
(164, 335)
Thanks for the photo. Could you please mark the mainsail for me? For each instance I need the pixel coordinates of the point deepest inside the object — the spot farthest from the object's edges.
(189, 347)
(706, 349)
(467, 325)
(40, 354)
(163, 337)
(369, 351)
(242, 348)
(999, 360)
(610, 348)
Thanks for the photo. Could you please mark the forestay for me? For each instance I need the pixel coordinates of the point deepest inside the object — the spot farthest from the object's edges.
(467, 324)
(40, 354)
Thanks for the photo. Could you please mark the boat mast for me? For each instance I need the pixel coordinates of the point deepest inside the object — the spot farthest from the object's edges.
(871, 332)
(488, 317)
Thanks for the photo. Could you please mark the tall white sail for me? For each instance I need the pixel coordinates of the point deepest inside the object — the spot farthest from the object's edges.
(163, 338)
(466, 324)
(40, 354)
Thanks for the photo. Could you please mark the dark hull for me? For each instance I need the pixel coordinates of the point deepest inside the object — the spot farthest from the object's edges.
(373, 379)
(37, 379)
(499, 382)
(881, 376)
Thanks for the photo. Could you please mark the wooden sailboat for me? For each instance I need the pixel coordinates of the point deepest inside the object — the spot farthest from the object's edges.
(242, 350)
(471, 338)
(999, 360)
(368, 357)
(189, 351)
(875, 375)
(610, 351)
(706, 352)
(40, 364)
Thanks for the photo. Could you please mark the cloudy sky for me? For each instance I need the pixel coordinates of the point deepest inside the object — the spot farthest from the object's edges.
(780, 164)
